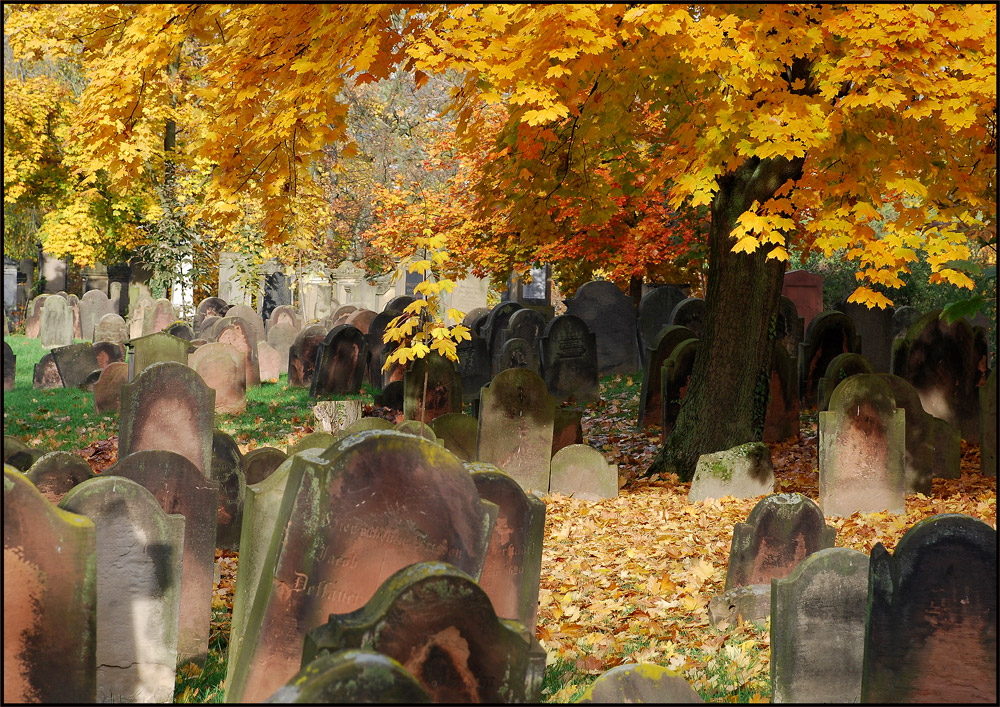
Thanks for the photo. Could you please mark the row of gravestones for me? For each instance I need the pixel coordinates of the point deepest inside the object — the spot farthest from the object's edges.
(847, 628)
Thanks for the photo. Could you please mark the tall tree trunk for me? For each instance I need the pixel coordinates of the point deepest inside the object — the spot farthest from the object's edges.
(727, 396)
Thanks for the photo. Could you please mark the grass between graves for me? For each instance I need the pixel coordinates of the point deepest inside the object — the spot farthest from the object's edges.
(623, 580)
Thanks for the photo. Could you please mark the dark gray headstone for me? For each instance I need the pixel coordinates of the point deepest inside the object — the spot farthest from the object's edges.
(527, 324)
(829, 335)
(568, 351)
(517, 353)
(651, 392)
(988, 425)
(781, 421)
(227, 471)
(46, 373)
(302, 356)
(788, 328)
(391, 396)
(277, 292)
(690, 313)
(76, 364)
(675, 376)
(494, 330)
(842, 366)
(473, 366)
(376, 347)
(903, 318)
(9, 367)
(874, 326)
(610, 315)
(260, 463)
(398, 304)
(341, 361)
(475, 319)
(654, 315)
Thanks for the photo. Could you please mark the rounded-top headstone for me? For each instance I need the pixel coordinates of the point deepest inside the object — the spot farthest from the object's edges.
(610, 314)
(640, 683)
(398, 304)
(251, 316)
(654, 312)
(352, 677)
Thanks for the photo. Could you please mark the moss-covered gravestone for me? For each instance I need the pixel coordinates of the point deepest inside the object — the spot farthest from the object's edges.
(57, 472)
(517, 353)
(610, 314)
(431, 387)
(440, 625)
(378, 502)
(341, 362)
(829, 335)
(144, 351)
(77, 364)
(158, 317)
(18, 454)
(352, 677)
(741, 472)
(313, 440)
(842, 366)
(582, 472)
(365, 423)
(46, 373)
(242, 336)
(459, 432)
(223, 368)
(260, 463)
(139, 553)
(569, 365)
(818, 628)
(635, 683)
(931, 626)
(418, 428)
(650, 394)
(862, 443)
(49, 598)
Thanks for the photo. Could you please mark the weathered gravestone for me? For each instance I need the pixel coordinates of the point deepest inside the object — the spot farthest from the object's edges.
(582, 472)
(365, 423)
(49, 599)
(377, 347)
(46, 373)
(459, 432)
(341, 361)
(840, 368)
(398, 304)
(74, 305)
(207, 329)
(55, 473)
(277, 293)
(789, 329)
(675, 376)
(651, 392)
(283, 314)
(93, 306)
(568, 352)
(108, 388)
(180, 488)
(281, 337)
(862, 442)
(829, 335)
(155, 348)
(781, 530)
(168, 406)
(227, 470)
(741, 472)
(513, 566)
(473, 367)
(139, 553)
(946, 363)
(988, 425)
(209, 307)
(302, 356)
(313, 440)
(346, 522)
(222, 367)
(32, 325)
(781, 421)
(316, 299)
(55, 323)
(475, 319)
(418, 428)
(391, 396)
(818, 628)
(9, 367)
(635, 683)
(610, 315)
(874, 326)
(108, 352)
(654, 315)
(158, 317)
(180, 329)
(259, 463)
(270, 362)
(805, 290)
(77, 364)
(903, 318)
(431, 387)
(527, 324)
(250, 316)
(352, 677)
(361, 319)
(515, 427)
(517, 353)
(931, 625)
(342, 312)
(567, 428)
(690, 313)
(495, 331)
(440, 625)
(242, 336)
(137, 315)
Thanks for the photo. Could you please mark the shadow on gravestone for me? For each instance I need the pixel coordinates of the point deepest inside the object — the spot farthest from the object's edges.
(228, 473)
(9, 367)
(475, 319)
(788, 328)
(209, 307)
(398, 304)
(610, 315)
(527, 324)
(249, 314)
(829, 335)
(180, 329)
(352, 677)
(431, 387)
(931, 625)
(841, 367)
(139, 554)
(903, 318)
(654, 315)
(650, 394)
(49, 598)
(568, 352)
(222, 367)
(302, 356)
(459, 432)
(517, 353)
(862, 443)
(473, 367)
(875, 328)
(640, 683)
(495, 331)
(361, 319)
(55, 473)
(582, 472)
(440, 625)
(108, 352)
(341, 361)
(675, 376)
(260, 463)
(376, 329)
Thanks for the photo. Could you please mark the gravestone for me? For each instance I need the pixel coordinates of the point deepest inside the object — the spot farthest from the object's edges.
(903, 318)
(690, 313)
(9, 367)
(431, 387)
(417, 428)
(610, 315)
(440, 625)
(270, 362)
(515, 427)
(361, 319)
(74, 305)
(302, 356)
(139, 554)
(168, 406)
(862, 442)
(805, 290)
(19, 455)
(227, 471)
(654, 315)
(651, 392)
(207, 329)
(789, 329)
(260, 463)
(55, 473)
(946, 363)
(391, 396)
(249, 314)
(341, 361)
(517, 353)
(473, 367)
(675, 376)
(398, 304)
(76, 364)
(352, 677)
(495, 331)
(313, 440)
(376, 347)
(155, 348)
(567, 428)
(108, 352)
(180, 329)
(158, 317)
(829, 335)
(818, 628)
(781, 421)
(137, 314)
(49, 599)
(46, 373)
(108, 388)
(221, 366)
(569, 363)
(56, 323)
(582, 472)
(781, 531)
(93, 306)
(527, 324)
(459, 432)
(280, 337)
(840, 368)
(744, 471)
(931, 625)
(180, 488)
(277, 293)
(209, 307)
(513, 566)
(241, 335)
(634, 683)
(475, 319)
(32, 325)
(988, 425)
(874, 326)
(316, 299)
(329, 552)
(283, 314)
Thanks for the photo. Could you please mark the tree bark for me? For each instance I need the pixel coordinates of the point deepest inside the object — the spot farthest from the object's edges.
(727, 396)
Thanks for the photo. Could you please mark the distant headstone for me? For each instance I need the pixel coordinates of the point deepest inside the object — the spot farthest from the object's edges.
(361, 319)
(569, 360)
(459, 433)
(788, 328)
(249, 314)
(495, 331)
(158, 317)
(741, 472)
(341, 361)
(931, 633)
(76, 364)
(376, 347)
(277, 293)
(610, 315)
(365, 423)
(398, 304)
(227, 471)
(46, 373)
(19, 455)
(241, 335)
(829, 335)
(805, 290)
(93, 306)
(875, 328)
(32, 325)
(56, 473)
(270, 362)
(431, 387)
(654, 312)
(180, 329)
(781, 531)
(316, 299)
(634, 683)
(56, 323)
(222, 368)
(139, 554)
(283, 314)
(474, 320)
(155, 348)
(49, 599)
(108, 352)
(74, 305)
(473, 367)
(417, 428)
(352, 677)
(207, 329)
(527, 324)
(567, 428)
(138, 307)
(302, 356)
(651, 392)
(781, 421)
(988, 425)
(9, 367)
(517, 353)
(108, 388)
(690, 313)
(862, 444)
(675, 376)
(209, 307)
(391, 396)
(280, 337)
(842, 366)
(582, 472)
(260, 463)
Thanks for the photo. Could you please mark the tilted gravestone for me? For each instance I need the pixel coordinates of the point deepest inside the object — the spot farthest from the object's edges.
(49, 598)
(329, 551)
(440, 625)
(352, 677)
(862, 442)
(654, 315)
(582, 472)
(341, 362)
(946, 363)
(283, 314)
(690, 313)
(459, 432)
(744, 471)
(495, 331)
(805, 290)
(93, 305)
(9, 367)
(249, 314)
(168, 406)
(875, 328)
(180, 488)
(651, 392)
(515, 427)
(55, 473)
(227, 470)
(781, 421)
(829, 335)
(818, 628)
(242, 336)
(222, 367)
(640, 683)
(781, 531)
(431, 387)
(259, 463)
(108, 388)
(841, 367)
(77, 364)
(108, 352)
(610, 315)
(302, 356)
(139, 554)
(46, 373)
(569, 363)
(55, 323)
(281, 336)
(931, 625)
(155, 348)
(473, 367)
(988, 425)
(567, 428)
(675, 376)
(158, 317)
(513, 566)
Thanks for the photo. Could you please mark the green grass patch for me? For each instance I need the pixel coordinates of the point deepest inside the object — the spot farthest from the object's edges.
(205, 684)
